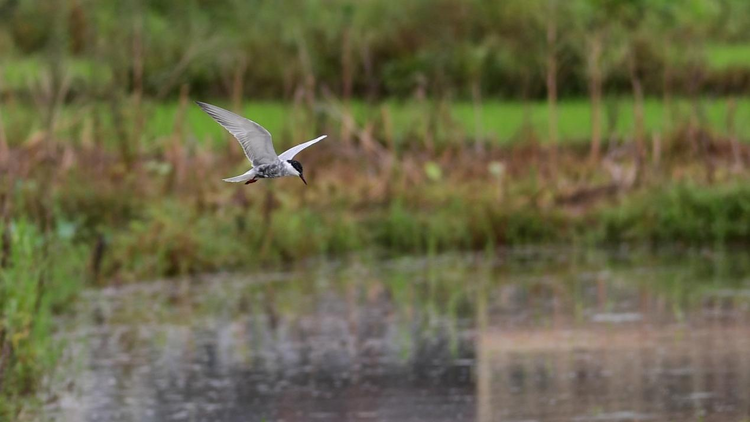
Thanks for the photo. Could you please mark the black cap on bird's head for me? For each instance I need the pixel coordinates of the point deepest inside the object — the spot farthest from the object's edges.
(297, 166)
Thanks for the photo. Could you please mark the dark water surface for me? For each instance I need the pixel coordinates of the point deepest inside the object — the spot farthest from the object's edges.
(525, 336)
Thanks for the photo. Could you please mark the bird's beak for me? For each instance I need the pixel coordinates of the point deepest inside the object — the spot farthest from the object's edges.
(303, 178)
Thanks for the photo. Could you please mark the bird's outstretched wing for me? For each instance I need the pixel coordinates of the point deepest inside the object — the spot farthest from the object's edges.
(291, 152)
(254, 138)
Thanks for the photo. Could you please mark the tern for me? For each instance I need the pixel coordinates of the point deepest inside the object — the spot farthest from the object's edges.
(256, 142)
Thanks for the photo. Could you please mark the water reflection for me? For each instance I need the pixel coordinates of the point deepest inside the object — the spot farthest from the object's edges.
(534, 335)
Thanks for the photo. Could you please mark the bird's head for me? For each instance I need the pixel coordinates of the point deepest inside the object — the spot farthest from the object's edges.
(297, 166)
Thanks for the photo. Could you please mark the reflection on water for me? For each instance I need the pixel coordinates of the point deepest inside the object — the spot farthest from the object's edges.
(527, 336)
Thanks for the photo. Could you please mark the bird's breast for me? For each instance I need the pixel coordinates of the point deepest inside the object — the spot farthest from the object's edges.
(270, 170)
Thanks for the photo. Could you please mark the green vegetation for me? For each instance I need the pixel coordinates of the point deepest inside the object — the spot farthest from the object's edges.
(41, 274)
(83, 74)
(368, 49)
(684, 213)
(169, 214)
(729, 56)
(501, 123)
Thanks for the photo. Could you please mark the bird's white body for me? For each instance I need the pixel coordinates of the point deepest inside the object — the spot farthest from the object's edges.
(258, 146)
(266, 171)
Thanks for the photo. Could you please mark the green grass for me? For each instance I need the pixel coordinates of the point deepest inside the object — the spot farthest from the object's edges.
(501, 122)
(19, 73)
(727, 56)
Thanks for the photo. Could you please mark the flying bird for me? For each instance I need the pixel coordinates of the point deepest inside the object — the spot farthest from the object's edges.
(256, 142)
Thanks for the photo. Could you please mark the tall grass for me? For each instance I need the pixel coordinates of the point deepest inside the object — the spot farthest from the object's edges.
(685, 212)
(150, 204)
(42, 275)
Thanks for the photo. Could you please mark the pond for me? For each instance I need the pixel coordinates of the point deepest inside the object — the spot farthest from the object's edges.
(522, 335)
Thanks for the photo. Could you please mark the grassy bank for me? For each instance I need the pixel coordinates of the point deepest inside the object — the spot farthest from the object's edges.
(166, 211)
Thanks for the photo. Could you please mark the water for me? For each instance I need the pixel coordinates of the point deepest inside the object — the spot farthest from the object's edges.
(525, 336)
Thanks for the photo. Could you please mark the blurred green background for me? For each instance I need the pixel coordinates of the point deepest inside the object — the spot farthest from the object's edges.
(453, 125)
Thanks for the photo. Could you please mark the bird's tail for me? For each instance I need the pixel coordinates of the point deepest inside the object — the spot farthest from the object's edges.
(241, 178)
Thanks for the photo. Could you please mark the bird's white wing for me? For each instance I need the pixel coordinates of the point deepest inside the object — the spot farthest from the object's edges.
(291, 152)
(254, 138)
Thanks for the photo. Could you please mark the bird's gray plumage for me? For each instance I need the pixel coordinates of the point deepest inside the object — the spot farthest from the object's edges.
(254, 138)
